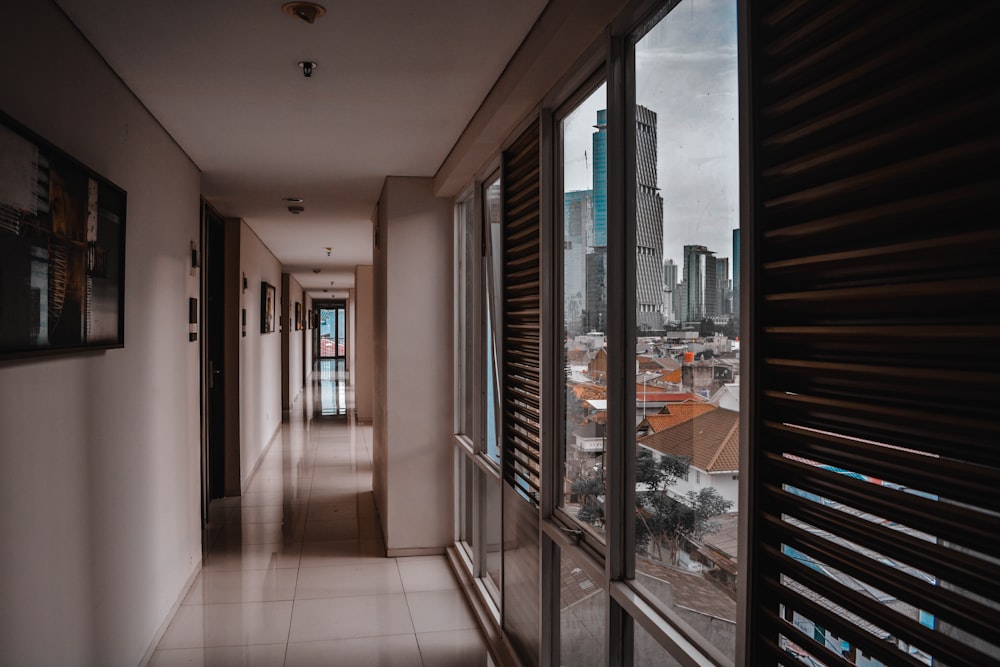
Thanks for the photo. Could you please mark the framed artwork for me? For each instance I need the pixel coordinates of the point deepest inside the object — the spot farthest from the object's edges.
(266, 308)
(298, 316)
(62, 250)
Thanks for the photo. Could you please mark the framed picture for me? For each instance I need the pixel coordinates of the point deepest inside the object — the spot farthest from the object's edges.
(62, 250)
(266, 308)
(298, 316)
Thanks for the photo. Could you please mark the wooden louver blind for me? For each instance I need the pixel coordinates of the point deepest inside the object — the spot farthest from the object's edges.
(876, 390)
(521, 313)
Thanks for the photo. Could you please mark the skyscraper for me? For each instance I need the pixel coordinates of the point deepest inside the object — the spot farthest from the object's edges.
(736, 271)
(648, 225)
(601, 179)
(701, 295)
(578, 216)
(669, 290)
(723, 290)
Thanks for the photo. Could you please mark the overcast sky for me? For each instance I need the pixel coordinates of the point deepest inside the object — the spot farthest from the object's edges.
(686, 72)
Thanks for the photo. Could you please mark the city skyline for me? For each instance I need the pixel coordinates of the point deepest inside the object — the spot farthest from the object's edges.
(694, 57)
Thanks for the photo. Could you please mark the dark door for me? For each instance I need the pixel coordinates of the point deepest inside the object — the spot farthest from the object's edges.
(214, 267)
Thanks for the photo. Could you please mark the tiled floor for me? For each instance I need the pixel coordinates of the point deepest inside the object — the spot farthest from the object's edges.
(295, 574)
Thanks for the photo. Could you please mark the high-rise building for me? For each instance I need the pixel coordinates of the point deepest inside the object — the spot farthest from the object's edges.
(736, 271)
(595, 318)
(648, 225)
(723, 287)
(578, 219)
(600, 228)
(669, 290)
(701, 296)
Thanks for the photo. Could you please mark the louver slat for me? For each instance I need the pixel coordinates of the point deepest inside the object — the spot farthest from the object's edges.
(521, 303)
(875, 329)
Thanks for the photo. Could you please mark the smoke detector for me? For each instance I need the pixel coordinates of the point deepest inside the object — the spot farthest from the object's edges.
(307, 11)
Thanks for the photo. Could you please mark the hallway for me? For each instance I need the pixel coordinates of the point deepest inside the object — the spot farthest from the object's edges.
(294, 573)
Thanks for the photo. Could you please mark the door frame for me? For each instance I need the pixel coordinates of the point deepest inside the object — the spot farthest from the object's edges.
(231, 318)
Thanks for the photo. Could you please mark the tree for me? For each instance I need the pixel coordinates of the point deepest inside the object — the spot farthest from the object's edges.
(591, 489)
(660, 519)
(671, 522)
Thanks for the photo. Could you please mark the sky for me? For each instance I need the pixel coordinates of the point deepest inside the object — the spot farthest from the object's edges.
(686, 72)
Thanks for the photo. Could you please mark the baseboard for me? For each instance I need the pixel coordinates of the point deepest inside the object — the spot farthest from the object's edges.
(170, 616)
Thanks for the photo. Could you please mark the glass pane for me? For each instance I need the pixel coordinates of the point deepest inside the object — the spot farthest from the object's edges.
(649, 652)
(468, 322)
(687, 346)
(493, 532)
(466, 504)
(492, 447)
(491, 271)
(585, 253)
(583, 617)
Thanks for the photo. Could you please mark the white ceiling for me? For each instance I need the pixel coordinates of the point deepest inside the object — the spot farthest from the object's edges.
(396, 84)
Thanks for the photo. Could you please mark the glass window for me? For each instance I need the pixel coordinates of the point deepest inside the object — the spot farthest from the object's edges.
(491, 276)
(583, 617)
(468, 258)
(583, 140)
(687, 346)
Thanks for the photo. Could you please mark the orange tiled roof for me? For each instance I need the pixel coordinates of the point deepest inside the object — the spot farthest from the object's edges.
(711, 440)
(672, 376)
(652, 392)
(679, 412)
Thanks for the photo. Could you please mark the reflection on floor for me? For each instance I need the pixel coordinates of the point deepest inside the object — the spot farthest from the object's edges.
(294, 573)
(332, 387)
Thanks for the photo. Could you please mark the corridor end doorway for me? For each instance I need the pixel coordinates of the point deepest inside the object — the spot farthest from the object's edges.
(331, 359)
(332, 342)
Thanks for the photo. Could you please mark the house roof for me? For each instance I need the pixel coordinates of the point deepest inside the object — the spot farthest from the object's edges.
(678, 412)
(671, 376)
(590, 392)
(653, 393)
(711, 440)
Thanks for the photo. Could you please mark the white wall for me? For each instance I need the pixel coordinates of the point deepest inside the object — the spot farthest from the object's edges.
(100, 452)
(295, 338)
(260, 355)
(413, 367)
(307, 339)
(363, 350)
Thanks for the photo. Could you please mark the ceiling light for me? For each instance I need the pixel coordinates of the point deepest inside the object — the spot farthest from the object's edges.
(307, 11)
(307, 67)
(316, 270)
(295, 210)
(328, 250)
(293, 200)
